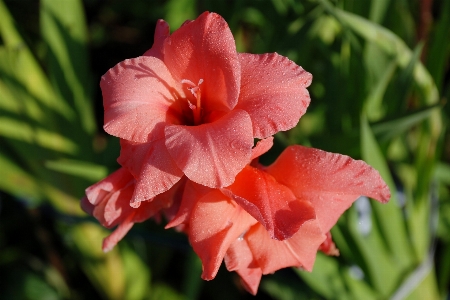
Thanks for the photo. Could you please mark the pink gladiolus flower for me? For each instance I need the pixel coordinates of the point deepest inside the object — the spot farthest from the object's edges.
(192, 106)
(109, 202)
(187, 113)
(277, 216)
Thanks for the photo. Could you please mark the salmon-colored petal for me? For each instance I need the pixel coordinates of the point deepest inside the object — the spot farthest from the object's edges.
(174, 195)
(328, 246)
(87, 206)
(191, 194)
(119, 212)
(216, 222)
(113, 182)
(273, 92)
(104, 200)
(151, 165)
(205, 49)
(298, 251)
(117, 207)
(238, 255)
(239, 258)
(272, 204)
(250, 279)
(212, 154)
(138, 94)
(262, 147)
(331, 182)
(111, 241)
(161, 33)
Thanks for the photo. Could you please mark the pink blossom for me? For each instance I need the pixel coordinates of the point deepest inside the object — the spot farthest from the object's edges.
(277, 216)
(109, 202)
(192, 106)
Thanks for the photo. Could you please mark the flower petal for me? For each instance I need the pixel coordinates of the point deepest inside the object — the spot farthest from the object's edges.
(298, 251)
(138, 94)
(205, 49)
(105, 200)
(239, 258)
(238, 255)
(331, 182)
(96, 193)
(212, 154)
(272, 204)
(250, 279)
(191, 194)
(216, 222)
(151, 165)
(262, 147)
(161, 33)
(273, 92)
(118, 234)
(328, 246)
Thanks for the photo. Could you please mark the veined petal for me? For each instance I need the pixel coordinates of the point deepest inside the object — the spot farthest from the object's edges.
(139, 94)
(118, 234)
(272, 204)
(238, 255)
(250, 279)
(104, 200)
(273, 92)
(216, 222)
(298, 251)
(161, 33)
(212, 154)
(151, 165)
(331, 182)
(191, 194)
(205, 49)
(115, 181)
(262, 147)
(239, 258)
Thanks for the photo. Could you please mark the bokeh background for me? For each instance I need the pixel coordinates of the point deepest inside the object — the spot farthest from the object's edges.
(380, 91)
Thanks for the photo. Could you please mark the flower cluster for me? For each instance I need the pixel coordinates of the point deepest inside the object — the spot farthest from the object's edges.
(187, 113)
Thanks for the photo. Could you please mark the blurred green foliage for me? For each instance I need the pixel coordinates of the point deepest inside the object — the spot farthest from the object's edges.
(381, 82)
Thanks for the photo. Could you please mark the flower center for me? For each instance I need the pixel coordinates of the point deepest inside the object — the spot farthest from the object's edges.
(197, 93)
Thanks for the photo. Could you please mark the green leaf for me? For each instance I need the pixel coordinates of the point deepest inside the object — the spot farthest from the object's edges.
(63, 28)
(17, 182)
(17, 57)
(389, 129)
(36, 136)
(86, 170)
(406, 77)
(105, 271)
(378, 10)
(393, 230)
(179, 11)
(391, 44)
(373, 102)
(137, 274)
(439, 46)
(325, 278)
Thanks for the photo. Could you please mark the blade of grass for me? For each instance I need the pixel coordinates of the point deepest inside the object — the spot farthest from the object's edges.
(63, 29)
(389, 216)
(23, 67)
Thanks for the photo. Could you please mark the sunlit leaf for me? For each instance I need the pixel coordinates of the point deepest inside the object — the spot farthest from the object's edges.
(373, 102)
(63, 28)
(401, 124)
(18, 182)
(41, 137)
(87, 170)
(22, 68)
(137, 275)
(389, 216)
(98, 266)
